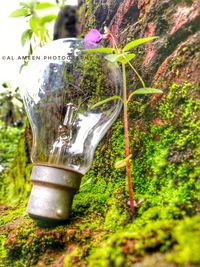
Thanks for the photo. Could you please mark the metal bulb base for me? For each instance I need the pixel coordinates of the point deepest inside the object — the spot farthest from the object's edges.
(52, 193)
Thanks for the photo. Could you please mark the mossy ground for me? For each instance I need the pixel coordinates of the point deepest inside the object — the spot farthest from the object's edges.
(165, 143)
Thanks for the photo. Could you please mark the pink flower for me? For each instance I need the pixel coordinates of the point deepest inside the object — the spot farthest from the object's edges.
(92, 38)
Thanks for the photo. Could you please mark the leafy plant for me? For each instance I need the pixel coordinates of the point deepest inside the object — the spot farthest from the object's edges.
(124, 57)
(37, 34)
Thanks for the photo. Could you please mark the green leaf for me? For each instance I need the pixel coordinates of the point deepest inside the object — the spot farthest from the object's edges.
(138, 42)
(47, 18)
(26, 36)
(115, 97)
(42, 34)
(122, 163)
(144, 91)
(122, 58)
(107, 50)
(30, 52)
(126, 58)
(44, 5)
(32, 4)
(114, 57)
(26, 5)
(21, 12)
(35, 25)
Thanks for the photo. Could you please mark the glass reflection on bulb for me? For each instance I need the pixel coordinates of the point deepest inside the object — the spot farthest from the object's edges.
(58, 91)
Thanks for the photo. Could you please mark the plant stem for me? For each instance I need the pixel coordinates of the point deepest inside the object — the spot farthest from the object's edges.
(140, 78)
(127, 149)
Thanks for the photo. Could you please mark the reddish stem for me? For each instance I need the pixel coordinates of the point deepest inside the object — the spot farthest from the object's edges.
(128, 165)
(127, 149)
(126, 136)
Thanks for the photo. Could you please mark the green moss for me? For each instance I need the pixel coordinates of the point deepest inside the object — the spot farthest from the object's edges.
(11, 214)
(74, 257)
(25, 244)
(165, 169)
(123, 248)
(180, 237)
(187, 236)
(8, 216)
(3, 252)
(86, 10)
(116, 215)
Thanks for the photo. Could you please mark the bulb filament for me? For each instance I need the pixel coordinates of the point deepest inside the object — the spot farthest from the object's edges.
(64, 136)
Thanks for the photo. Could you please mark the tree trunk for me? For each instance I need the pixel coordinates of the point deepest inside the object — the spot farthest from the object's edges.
(174, 56)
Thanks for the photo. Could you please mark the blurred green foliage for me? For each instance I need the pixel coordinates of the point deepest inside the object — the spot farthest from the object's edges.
(9, 137)
(12, 110)
(15, 165)
(14, 162)
(38, 17)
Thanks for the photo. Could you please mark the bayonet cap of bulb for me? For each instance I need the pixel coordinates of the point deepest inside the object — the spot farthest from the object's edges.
(52, 192)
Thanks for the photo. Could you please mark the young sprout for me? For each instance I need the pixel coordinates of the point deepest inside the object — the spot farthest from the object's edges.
(124, 57)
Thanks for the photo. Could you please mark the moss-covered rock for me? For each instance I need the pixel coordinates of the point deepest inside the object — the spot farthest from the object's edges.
(165, 169)
(176, 240)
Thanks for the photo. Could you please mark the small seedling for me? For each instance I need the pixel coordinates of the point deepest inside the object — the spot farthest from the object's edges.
(124, 57)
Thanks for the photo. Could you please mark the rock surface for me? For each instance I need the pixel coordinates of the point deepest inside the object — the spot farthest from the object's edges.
(175, 55)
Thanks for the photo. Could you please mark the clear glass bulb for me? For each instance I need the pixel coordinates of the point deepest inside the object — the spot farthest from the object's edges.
(60, 86)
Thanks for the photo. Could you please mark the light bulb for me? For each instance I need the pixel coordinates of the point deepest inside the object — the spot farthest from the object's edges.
(59, 87)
